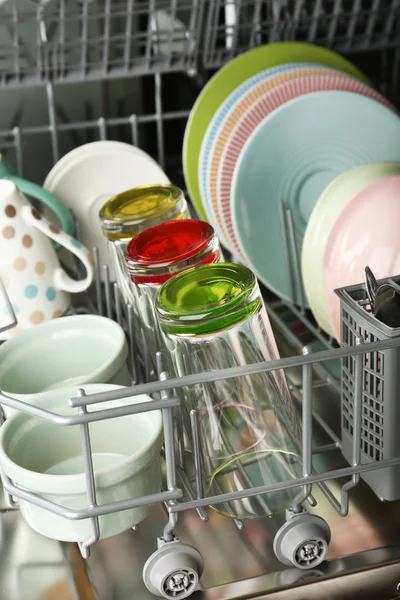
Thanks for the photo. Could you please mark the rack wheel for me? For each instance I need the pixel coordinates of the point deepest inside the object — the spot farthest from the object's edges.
(173, 571)
(302, 541)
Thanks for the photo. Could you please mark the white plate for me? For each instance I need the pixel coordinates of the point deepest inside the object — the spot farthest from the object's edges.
(85, 178)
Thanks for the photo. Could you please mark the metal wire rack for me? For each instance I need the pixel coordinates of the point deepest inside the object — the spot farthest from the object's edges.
(70, 41)
(63, 41)
(347, 26)
(58, 42)
(183, 492)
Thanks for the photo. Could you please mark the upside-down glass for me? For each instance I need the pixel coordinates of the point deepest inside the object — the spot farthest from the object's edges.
(159, 253)
(212, 317)
(127, 214)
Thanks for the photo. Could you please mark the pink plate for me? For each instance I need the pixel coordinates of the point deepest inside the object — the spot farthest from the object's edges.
(365, 233)
(254, 115)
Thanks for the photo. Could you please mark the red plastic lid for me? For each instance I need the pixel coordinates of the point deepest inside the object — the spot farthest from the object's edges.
(166, 245)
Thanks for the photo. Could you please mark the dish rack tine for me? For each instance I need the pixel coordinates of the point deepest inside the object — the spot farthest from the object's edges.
(285, 235)
(97, 279)
(17, 133)
(171, 470)
(107, 288)
(10, 309)
(84, 547)
(292, 258)
(196, 452)
(307, 422)
(296, 260)
(357, 416)
(11, 503)
(132, 345)
(118, 304)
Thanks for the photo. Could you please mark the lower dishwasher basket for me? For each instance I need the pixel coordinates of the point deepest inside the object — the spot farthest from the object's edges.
(85, 42)
(173, 571)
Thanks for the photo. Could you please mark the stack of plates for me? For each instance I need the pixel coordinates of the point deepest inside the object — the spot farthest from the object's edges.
(279, 124)
(354, 224)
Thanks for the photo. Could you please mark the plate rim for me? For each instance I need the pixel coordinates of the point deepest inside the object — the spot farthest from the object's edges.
(214, 193)
(248, 86)
(334, 75)
(288, 51)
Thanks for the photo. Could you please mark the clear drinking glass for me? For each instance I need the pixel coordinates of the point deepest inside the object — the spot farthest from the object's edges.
(212, 317)
(127, 214)
(158, 253)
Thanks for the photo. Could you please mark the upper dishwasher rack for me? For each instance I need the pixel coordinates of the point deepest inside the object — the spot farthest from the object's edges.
(80, 40)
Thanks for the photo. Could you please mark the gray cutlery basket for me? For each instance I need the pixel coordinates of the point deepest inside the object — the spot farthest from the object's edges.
(380, 420)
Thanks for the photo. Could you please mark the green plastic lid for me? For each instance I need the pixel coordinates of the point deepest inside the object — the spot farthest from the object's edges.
(207, 299)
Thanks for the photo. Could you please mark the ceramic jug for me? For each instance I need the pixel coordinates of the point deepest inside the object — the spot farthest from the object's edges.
(38, 288)
(39, 194)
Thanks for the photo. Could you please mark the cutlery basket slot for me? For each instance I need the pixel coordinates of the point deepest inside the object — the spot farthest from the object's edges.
(380, 394)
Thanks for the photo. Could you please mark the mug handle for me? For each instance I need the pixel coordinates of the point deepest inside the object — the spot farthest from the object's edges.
(38, 193)
(62, 280)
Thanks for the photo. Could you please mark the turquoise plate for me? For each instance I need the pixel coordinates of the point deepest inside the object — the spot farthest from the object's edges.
(292, 156)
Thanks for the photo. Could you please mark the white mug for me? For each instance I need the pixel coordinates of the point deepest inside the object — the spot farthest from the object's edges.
(38, 288)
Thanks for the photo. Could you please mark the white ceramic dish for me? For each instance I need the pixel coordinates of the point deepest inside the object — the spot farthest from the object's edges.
(329, 206)
(47, 459)
(88, 176)
(63, 352)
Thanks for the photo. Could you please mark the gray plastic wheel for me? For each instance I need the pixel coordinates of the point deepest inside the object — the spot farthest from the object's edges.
(302, 541)
(173, 571)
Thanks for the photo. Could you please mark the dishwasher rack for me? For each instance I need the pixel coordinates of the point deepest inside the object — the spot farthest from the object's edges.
(63, 42)
(173, 571)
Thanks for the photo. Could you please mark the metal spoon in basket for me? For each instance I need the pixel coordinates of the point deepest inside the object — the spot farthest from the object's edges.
(384, 299)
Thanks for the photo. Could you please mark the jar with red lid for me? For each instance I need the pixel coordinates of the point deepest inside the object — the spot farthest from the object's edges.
(159, 253)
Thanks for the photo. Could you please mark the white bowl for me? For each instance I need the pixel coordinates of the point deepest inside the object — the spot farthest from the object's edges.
(64, 352)
(44, 458)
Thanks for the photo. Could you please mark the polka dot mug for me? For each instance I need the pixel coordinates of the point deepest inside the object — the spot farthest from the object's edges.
(38, 288)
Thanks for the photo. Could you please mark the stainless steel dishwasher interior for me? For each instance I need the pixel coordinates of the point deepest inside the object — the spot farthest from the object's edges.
(238, 564)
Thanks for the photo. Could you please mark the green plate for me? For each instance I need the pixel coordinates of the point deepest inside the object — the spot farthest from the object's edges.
(227, 79)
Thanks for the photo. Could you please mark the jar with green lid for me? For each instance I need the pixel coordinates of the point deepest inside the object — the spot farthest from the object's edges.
(213, 317)
(127, 214)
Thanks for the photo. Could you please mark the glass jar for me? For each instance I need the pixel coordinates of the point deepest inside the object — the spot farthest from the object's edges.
(212, 317)
(127, 214)
(158, 253)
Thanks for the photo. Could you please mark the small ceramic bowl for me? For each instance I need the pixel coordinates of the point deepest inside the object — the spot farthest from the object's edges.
(44, 458)
(69, 351)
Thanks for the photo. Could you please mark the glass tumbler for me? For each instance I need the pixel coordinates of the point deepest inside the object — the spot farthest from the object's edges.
(127, 214)
(155, 255)
(212, 317)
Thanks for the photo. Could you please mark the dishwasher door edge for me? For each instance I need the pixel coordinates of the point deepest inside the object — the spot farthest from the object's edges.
(370, 575)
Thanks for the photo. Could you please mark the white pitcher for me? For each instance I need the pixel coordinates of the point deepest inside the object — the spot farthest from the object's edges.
(38, 288)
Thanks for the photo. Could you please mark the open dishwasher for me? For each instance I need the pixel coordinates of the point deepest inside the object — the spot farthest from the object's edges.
(166, 54)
